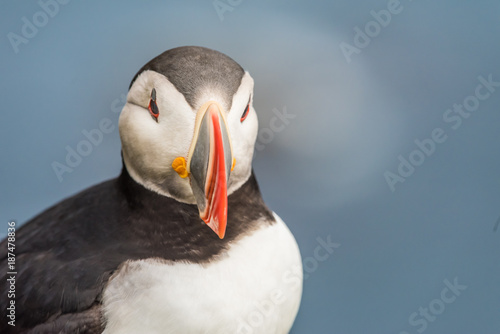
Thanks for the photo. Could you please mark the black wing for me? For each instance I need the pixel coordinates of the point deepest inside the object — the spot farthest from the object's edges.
(61, 267)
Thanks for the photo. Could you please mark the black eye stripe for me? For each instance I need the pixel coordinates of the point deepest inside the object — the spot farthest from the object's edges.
(245, 112)
(153, 107)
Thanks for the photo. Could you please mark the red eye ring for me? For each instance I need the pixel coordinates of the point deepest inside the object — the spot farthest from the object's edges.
(153, 107)
(245, 113)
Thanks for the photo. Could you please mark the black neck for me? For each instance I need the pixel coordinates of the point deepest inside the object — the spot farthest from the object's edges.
(174, 230)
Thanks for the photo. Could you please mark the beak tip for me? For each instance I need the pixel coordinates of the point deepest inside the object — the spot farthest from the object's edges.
(219, 229)
(222, 232)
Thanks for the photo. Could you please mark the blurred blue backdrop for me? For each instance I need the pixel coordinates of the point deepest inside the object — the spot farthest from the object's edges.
(362, 80)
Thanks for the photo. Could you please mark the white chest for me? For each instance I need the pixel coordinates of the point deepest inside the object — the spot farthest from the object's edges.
(255, 288)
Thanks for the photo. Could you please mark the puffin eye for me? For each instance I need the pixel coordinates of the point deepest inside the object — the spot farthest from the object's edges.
(245, 113)
(153, 107)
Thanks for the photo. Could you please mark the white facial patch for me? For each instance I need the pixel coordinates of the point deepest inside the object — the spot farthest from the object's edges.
(150, 147)
(243, 134)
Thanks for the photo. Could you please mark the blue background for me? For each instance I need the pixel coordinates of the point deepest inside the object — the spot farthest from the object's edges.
(323, 173)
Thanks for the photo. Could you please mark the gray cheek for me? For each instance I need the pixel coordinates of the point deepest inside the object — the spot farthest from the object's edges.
(178, 188)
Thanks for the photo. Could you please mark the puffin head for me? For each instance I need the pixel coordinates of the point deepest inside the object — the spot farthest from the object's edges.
(188, 129)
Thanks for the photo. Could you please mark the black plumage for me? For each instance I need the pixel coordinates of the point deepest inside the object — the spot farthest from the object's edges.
(66, 255)
(192, 69)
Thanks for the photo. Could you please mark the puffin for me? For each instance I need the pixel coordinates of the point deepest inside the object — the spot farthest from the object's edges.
(181, 241)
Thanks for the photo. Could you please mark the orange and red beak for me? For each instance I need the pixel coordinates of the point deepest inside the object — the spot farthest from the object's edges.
(209, 166)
